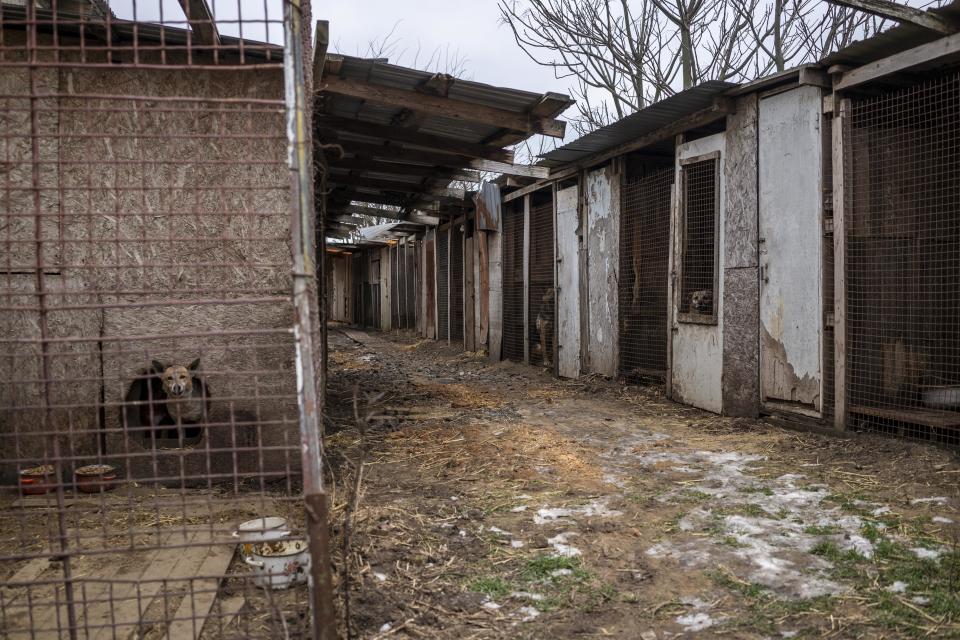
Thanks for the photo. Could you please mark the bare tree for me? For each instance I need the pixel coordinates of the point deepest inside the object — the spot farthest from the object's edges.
(622, 54)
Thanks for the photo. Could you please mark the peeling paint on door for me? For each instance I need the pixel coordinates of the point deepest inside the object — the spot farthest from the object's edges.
(603, 251)
(568, 284)
(790, 157)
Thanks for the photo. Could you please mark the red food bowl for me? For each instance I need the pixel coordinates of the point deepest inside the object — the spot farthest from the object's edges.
(38, 480)
(95, 478)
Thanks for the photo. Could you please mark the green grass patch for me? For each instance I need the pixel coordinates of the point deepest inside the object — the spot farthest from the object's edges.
(767, 491)
(822, 530)
(492, 586)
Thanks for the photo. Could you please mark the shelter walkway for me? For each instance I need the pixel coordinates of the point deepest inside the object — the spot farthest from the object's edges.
(498, 501)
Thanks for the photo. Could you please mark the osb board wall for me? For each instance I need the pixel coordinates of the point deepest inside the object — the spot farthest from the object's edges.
(134, 173)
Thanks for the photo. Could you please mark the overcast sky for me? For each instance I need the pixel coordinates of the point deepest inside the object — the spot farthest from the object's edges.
(470, 29)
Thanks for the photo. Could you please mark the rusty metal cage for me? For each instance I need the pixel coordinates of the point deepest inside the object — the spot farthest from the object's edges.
(157, 311)
(902, 198)
(443, 284)
(644, 268)
(456, 284)
(542, 298)
(699, 251)
(513, 284)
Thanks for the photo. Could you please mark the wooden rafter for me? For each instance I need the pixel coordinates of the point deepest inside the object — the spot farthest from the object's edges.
(202, 24)
(413, 137)
(401, 169)
(901, 13)
(443, 107)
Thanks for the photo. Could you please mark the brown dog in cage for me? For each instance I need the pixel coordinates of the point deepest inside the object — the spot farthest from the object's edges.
(187, 397)
(168, 403)
(545, 327)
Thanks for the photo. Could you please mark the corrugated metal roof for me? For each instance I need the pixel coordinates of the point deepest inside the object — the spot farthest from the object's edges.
(638, 124)
(892, 41)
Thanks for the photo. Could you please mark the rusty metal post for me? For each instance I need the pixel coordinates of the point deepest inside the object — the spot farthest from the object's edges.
(305, 273)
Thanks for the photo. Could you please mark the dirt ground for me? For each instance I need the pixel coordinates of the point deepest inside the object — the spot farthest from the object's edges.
(499, 502)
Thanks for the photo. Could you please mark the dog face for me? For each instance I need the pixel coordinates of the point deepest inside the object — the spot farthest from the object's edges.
(177, 380)
(701, 301)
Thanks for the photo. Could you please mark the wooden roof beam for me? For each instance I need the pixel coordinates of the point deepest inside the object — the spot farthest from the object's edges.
(397, 168)
(202, 24)
(413, 137)
(900, 13)
(443, 107)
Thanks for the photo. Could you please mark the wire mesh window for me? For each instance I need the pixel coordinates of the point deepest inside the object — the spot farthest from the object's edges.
(902, 186)
(456, 284)
(644, 267)
(443, 284)
(542, 294)
(148, 393)
(513, 279)
(698, 273)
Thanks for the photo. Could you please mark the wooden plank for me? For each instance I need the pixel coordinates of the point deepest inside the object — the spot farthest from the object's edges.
(529, 170)
(393, 185)
(484, 288)
(928, 417)
(469, 296)
(900, 13)
(403, 169)
(526, 279)
(443, 107)
(527, 190)
(417, 138)
(321, 42)
(188, 620)
(937, 52)
(841, 111)
(202, 24)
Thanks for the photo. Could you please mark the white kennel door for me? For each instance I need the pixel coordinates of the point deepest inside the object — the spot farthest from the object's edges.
(791, 239)
(568, 281)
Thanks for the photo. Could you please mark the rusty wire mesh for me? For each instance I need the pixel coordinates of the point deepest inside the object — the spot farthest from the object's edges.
(456, 284)
(443, 284)
(902, 195)
(542, 299)
(698, 274)
(410, 285)
(396, 283)
(644, 267)
(512, 344)
(148, 392)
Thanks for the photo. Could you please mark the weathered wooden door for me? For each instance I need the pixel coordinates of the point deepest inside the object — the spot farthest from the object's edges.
(791, 233)
(568, 284)
(469, 297)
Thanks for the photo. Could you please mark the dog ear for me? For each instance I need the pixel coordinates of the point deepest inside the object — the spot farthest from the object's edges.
(194, 365)
(158, 366)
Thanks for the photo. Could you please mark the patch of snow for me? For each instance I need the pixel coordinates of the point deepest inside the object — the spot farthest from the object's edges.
(595, 508)
(921, 600)
(462, 533)
(556, 573)
(938, 500)
(942, 520)
(528, 614)
(518, 509)
(788, 634)
(500, 531)
(516, 544)
(684, 469)
(898, 587)
(926, 554)
(527, 595)
(695, 621)
(559, 544)
(454, 498)
(385, 627)
(524, 496)
(880, 511)
(490, 605)
(382, 577)
(858, 544)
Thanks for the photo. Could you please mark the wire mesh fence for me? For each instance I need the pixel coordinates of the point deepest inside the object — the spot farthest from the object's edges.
(542, 299)
(512, 344)
(410, 280)
(902, 195)
(396, 287)
(644, 267)
(456, 284)
(698, 273)
(443, 284)
(148, 396)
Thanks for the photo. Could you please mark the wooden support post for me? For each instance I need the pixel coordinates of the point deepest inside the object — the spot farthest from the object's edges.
(583, 258)
(526, 279)
(556, 284)
(449, 233)
(841, 111)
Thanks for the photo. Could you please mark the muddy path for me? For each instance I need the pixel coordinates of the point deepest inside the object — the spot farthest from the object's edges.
(500, 502)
